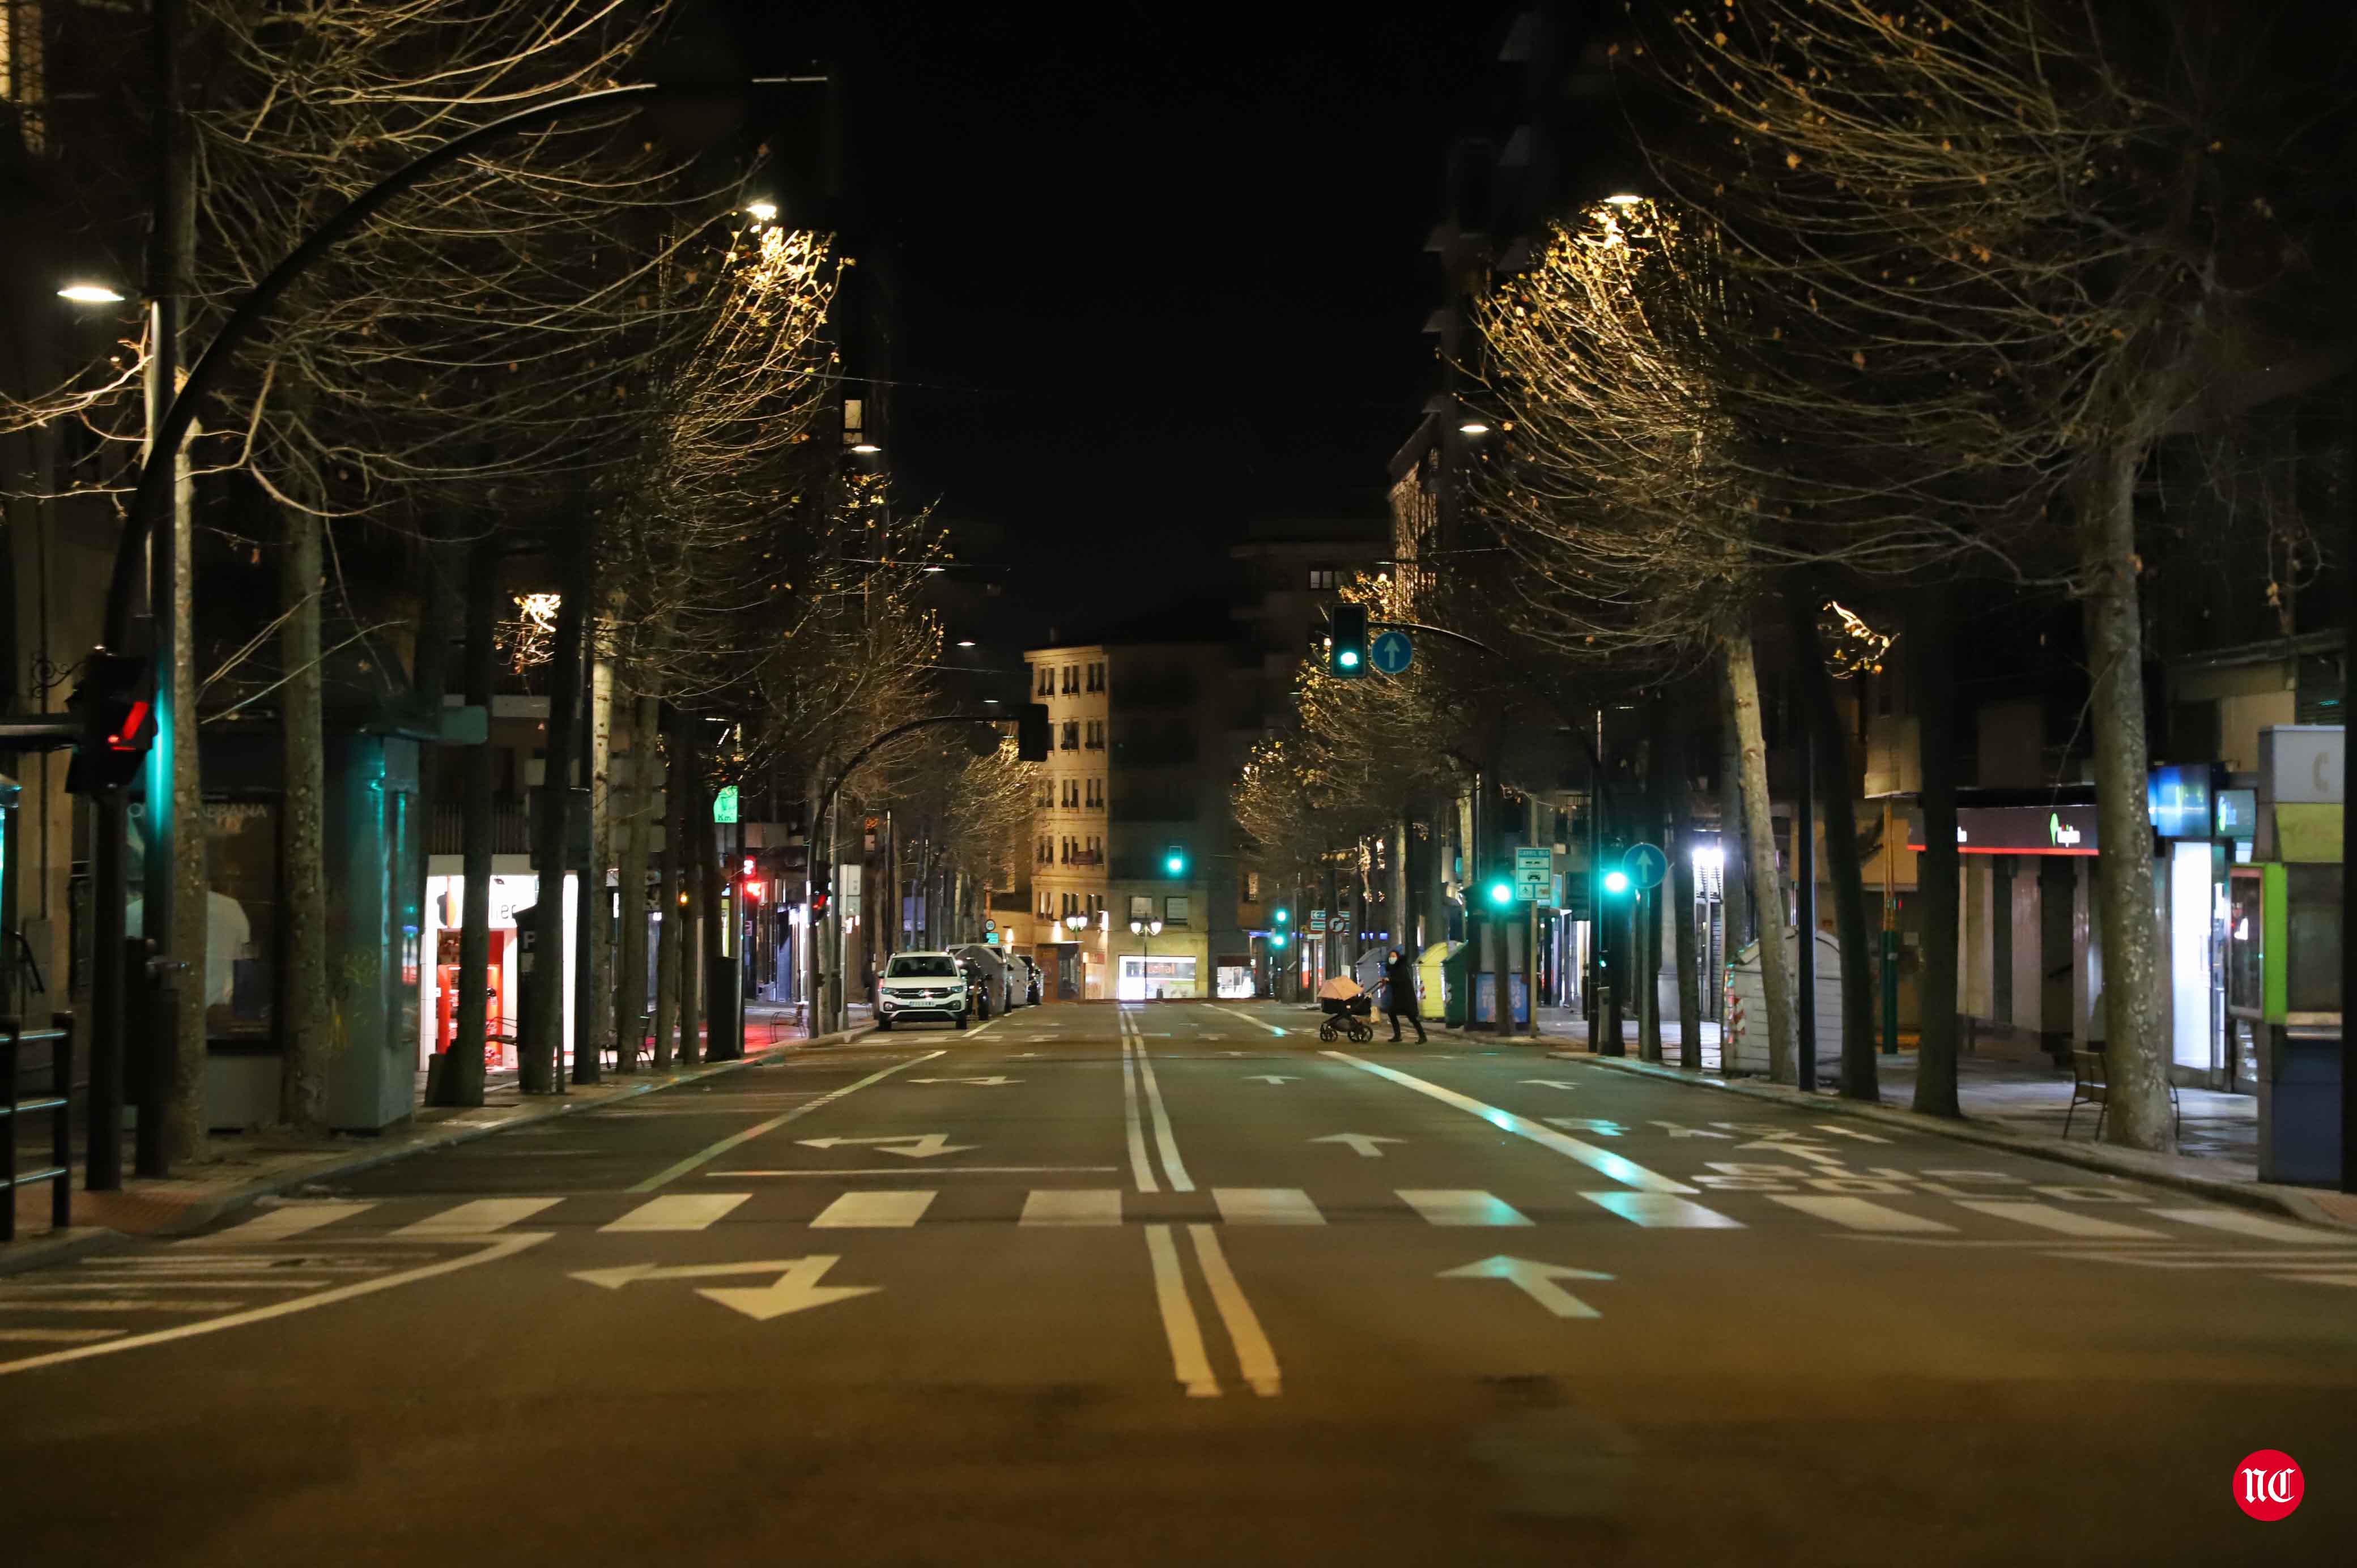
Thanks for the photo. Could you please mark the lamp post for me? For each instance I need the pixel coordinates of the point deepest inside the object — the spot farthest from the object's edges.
(1144, 930)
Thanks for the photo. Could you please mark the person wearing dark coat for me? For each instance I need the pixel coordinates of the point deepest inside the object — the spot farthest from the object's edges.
(1399, 1001)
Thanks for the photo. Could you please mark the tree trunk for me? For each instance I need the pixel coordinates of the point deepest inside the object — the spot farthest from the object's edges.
(685, 787)
(596, 904)
(1837, 803)
(716, 915)
(630, 976)
(590, 1008)
(667, 930)
(1742, 679)
(2134, 974)
(540, 1048)
(1931, 657)
(1677, 841)
(308, 1027)
(1658, 786)
(464, 1073)
(186, 1122)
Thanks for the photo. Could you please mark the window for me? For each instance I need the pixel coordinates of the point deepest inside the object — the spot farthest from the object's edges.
(1174, 910)
(1047, 851)
(1072, 904)
(1097, 795)
(1071, 679)
(1047, 792)
(1141, 906)
(1096, 903)
(1252, 886)
(1072, 735)
(1096, 736)
(1323, 578)
(1046, 903)
(1071, 794)
(922, 966)
(1047, 681)
(1097, 677)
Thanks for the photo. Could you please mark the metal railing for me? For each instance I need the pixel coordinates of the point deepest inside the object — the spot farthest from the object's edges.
(59, 1172)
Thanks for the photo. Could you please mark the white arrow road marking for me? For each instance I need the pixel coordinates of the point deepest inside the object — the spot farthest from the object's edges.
(1271, 1078)
(1534, 1280)
(798, 1290)
(1550, 1083)
(1850, 1133)
(986, 1081)
(1628, 1172)
(916, 1146)
(1362, 1141)
(705, 1157)
(1599, 1125)
(631, 1273)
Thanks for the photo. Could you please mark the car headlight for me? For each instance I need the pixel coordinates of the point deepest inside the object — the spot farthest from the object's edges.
(889, 1003)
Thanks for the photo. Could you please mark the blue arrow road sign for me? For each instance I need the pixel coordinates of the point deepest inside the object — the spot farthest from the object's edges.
(1390, 653)
(1646, 864)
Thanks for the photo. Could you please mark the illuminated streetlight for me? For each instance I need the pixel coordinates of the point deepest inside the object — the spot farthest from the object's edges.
(965, 642)
(90, 294)
(763, 211)
(866, 448)
(930, 569)
(1624, 198)
(1473, 427)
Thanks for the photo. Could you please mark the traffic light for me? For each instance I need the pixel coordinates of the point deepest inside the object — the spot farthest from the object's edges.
(1346, 648)
(821, 883)
(1276, 940)
(1500, 893)
(115, 707)
(1616, 882)
(1174, 860)
(1283, 917)
(1031, 733)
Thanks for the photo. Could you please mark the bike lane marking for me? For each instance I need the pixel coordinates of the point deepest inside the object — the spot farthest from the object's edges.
(705, 1157)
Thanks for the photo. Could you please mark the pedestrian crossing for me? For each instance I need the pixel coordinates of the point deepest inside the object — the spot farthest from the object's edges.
(1990, 1222)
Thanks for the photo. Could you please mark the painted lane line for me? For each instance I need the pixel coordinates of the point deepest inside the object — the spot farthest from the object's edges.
(1858, 1214)
(496, 1248)
(1164, 1142)
(874, 1211)
(2339, 1279)
(480, 1217)
(1188, 1362)
(1628, 1172)
(1141, 1165)
(1245, 1016)
(161, 1304)
(132, 1283)
(929, 1171)
(2242, 1224)
(1255, 1355)
(992, 1023)
(679, 1211)
(2061, 1222)
(1460, 1206)
(61, 1336)
(1266, 1206)
(1073, 1206)
(291, 1220)
(705, 1157)
(1663, 1211)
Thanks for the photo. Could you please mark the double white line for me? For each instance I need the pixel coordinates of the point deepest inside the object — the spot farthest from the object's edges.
(1188, 1358)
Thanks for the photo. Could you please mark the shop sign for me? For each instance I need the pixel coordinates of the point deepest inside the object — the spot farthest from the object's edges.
(2019, 830)
(2178, 798)
(2238, 814)
(2302, 763)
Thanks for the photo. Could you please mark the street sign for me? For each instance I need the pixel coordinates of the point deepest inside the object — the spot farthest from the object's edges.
(1317, 919)
(1391, 651)
(724, 804)
(1646, 864)
(1533, 873)
(989, 925)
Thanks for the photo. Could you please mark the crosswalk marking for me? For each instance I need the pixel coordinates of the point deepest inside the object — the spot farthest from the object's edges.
(291, 1220)
(874, 1211)
(1662, 1210)
(679, 1211)
(480, 1217)
(1857, 1214)
(2062, 1221)
(1460, 1206)
(1073, 1206)
(1266, 1206)
(2242, 1224)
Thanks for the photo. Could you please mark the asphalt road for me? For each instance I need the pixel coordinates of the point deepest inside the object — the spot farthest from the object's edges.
(1178, 1284)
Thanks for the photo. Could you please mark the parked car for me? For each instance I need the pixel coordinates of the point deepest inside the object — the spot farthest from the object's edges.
(922, 986)
(980, 986)
(1005, 993)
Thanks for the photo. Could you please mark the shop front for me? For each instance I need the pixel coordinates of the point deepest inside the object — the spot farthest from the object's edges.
(445, 895)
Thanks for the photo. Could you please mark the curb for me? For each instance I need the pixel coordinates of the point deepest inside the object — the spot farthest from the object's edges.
(41, 1249)
(2125, 1163)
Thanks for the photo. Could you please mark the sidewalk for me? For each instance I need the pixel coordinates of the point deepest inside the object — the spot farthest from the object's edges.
(2019, 1106)
(255, 1165)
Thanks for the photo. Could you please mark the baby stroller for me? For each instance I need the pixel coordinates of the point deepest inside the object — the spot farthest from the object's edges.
(1347, 1015)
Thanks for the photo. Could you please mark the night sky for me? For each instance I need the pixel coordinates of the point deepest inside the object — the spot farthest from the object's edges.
(1161, 269)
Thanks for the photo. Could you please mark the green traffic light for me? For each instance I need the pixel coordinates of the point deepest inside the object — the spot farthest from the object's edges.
(1616, 882)
(1501, 893)
(1348, 659)
(1175, 865)
(1283, 916)
(1277, 940)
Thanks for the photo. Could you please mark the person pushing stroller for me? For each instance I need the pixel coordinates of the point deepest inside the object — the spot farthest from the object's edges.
(1399, 994)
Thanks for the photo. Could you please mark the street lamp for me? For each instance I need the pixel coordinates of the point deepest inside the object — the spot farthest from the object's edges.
(1144, 930)
(1624, 198)
(762, 211)
(90, 294)
(1473, 427)
(869, 449)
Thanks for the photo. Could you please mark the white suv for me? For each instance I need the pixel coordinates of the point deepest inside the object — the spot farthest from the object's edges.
(922, 986)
